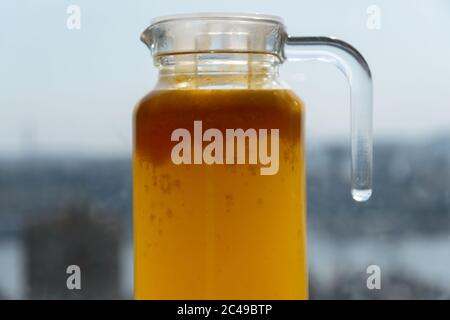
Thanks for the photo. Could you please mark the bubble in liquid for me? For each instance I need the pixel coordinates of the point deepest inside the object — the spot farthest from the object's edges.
(165, 183)
(228, 202)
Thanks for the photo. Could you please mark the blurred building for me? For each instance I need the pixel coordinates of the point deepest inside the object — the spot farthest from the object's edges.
(74, 235)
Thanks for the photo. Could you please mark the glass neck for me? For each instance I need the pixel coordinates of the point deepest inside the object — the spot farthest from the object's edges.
(218, 70)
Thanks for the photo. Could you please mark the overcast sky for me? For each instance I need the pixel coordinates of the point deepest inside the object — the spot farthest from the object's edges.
(73, 91)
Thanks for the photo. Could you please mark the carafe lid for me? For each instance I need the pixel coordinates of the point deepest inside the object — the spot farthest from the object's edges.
(215, 33)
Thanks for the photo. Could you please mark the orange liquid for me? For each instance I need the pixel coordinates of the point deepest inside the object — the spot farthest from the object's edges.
(219, 231)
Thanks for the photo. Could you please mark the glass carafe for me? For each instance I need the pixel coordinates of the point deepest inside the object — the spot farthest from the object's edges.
(219, 158)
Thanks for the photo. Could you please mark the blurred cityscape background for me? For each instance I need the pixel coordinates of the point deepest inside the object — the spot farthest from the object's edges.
(66, 100)
(57, 212)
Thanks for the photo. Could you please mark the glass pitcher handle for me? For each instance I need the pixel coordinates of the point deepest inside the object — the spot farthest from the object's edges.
(355, 68)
